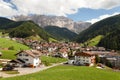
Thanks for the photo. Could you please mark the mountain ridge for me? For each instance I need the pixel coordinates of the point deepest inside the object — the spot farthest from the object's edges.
(60, 33)
(23, 29)
(43, 20)
(106, 27)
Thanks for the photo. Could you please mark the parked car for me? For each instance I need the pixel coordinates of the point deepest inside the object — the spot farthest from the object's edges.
(7, 67)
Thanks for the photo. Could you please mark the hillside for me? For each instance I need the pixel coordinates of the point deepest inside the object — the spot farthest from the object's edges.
(60, 33)
(4, 22)
(12, 46)
(23, 29)
(27, 29)
(109, 28)
(65, 72)
(94, 41)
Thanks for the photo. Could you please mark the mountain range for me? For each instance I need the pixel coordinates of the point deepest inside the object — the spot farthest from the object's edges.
(60, 21)
(108, 28)
(25, 29)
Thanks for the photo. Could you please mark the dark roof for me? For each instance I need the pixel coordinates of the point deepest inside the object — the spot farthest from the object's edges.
(17, 61)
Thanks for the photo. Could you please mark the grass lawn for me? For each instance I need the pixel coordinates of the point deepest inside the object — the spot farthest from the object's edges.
(6, 43)
(94, 41)
(9, 54)
(52, 40)
(48, 60)
(4, 34)
(70, 73)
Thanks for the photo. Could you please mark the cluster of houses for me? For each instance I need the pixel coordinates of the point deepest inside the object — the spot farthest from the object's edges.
(88, 57)
(60, 49)
(31, 58)
(72, 51)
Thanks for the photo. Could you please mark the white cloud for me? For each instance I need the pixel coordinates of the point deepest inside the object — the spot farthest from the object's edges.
(53, 7)
(101, 4)
(102, 17)
(6, 10)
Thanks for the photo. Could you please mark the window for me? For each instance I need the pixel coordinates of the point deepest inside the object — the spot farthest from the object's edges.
(26, 54)
(20, 54)
(83, 60)
(87, 60)
(26, 59)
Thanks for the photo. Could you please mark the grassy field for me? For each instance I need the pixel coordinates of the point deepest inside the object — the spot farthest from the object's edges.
(70, 73)
(47, 60)
(35, 37)
(52, 40)
(94, 41)
(8, 54)
(7, 43)
(4, 34)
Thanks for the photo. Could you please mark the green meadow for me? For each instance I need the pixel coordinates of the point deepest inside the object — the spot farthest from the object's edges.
(94, 41)
(65, 72)
(13, 47)
(48, 60)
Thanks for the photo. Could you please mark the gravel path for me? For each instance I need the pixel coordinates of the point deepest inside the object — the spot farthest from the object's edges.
(24, 71)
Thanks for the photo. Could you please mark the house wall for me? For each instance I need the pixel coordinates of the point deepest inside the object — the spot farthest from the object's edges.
(85, 59)
(117, 61)
(36, 61)
(29, 59)
(64, 55)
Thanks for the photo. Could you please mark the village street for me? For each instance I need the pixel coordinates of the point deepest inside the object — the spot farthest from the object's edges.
(24, 71)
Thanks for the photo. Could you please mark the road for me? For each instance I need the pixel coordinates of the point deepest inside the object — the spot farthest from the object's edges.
(24, 71)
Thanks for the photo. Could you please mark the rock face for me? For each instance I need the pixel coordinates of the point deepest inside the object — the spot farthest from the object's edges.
(43, 20)
(80, 26)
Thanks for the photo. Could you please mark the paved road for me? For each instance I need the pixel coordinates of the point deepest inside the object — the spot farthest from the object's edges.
(24, 71)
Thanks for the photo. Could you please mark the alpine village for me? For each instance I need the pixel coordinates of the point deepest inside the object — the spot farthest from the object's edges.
(48, 47)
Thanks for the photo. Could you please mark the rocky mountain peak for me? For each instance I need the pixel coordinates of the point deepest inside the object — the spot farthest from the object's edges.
(43, 20)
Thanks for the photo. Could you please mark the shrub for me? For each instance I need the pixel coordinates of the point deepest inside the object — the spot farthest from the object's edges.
(11, 48)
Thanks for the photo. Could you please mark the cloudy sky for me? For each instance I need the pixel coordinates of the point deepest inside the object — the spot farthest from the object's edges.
(78, 10)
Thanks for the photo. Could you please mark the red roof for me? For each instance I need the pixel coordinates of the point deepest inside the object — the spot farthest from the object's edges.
(32, 53)
(83, 54)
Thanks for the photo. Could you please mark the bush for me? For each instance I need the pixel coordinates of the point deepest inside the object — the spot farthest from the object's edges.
(11, 48)
(46, 63)
(109, 64)
(97, 58)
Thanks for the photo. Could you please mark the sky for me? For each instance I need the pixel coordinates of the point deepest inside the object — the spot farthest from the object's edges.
(78, 10)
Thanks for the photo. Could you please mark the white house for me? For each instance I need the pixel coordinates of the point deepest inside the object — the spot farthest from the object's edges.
(29, 57)
(83, 58)
(64, 52)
